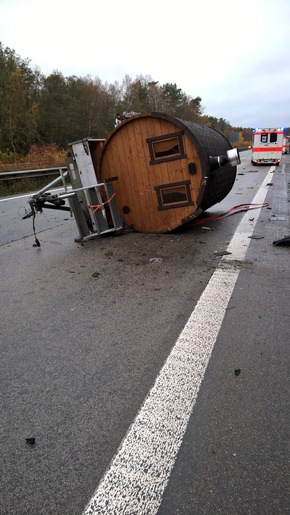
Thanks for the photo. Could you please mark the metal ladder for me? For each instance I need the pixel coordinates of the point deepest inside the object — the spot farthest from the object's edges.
(93, 203)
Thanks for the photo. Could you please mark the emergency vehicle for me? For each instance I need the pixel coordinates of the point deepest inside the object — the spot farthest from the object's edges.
(267, 146)
(286, 145)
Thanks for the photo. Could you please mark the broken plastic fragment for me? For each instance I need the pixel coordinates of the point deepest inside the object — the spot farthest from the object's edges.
(221, 253)
(283, 241)
(155, 260)
(37, 243)
(278, 218)
(30, 441)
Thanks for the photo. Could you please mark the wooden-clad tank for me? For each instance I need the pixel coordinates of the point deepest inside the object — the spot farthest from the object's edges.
(166, 172)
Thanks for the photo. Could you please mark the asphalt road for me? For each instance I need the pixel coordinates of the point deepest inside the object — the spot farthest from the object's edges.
(86, 330)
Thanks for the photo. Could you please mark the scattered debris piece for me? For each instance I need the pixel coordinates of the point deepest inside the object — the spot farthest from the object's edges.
(269, 184)
(95, 274)
(37, 243)
(155, 260)
(30, 440)
(206, 228)
(241, 174)
(283, 241)
(221, 253)
(237, 371)
(278, 218)
(256, 237)
(251, 219)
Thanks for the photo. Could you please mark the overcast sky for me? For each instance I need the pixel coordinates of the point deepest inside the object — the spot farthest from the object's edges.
(233, 54)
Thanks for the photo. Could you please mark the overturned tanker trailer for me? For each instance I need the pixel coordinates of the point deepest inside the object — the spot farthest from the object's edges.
(154, 173)
(169, 170)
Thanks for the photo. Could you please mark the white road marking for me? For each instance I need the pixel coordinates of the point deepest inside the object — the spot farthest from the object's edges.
(138, 474)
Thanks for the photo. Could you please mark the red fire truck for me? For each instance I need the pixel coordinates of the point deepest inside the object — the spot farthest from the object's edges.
(267, 146)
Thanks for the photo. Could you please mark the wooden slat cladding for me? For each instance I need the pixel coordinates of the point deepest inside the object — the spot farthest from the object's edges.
(96, 147)
(160, 174)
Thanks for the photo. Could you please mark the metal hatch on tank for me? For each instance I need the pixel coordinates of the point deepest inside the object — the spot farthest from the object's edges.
(169, 170)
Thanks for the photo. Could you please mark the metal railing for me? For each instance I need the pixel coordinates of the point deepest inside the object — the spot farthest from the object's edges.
(42, 172)
(25, 174)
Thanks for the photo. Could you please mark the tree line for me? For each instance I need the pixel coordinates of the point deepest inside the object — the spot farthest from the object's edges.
(54, 110)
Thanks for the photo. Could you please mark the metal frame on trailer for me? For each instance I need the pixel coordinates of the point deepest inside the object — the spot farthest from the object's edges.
(92, 203)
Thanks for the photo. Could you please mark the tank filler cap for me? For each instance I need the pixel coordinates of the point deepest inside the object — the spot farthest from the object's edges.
(232, 158)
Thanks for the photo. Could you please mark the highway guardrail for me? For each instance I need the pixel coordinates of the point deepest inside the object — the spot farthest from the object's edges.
(25, 174)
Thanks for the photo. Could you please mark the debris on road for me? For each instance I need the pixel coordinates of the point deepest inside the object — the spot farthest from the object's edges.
(155, 260)
(284, 241)
(278, 218)
(30, 440)
(221, 253)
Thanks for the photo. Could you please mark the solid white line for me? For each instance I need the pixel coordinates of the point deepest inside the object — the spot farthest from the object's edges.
(139, 472)
(240, 241)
